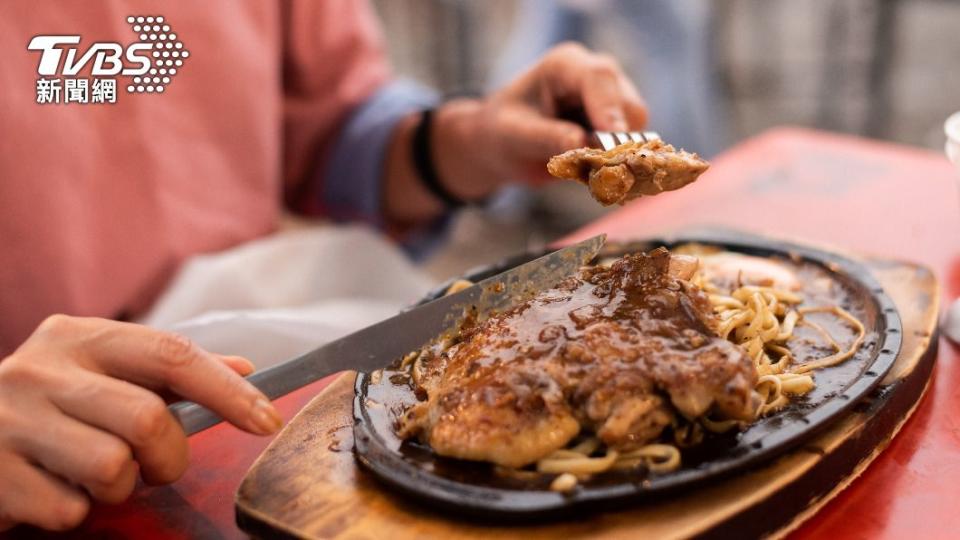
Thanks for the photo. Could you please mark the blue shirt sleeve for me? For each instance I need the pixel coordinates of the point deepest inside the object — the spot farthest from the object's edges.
(353, 176)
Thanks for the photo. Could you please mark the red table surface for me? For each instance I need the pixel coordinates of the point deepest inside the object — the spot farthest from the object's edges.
(863, 196)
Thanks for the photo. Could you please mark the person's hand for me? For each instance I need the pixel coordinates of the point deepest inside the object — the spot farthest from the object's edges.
(81, 414)
(511, 134)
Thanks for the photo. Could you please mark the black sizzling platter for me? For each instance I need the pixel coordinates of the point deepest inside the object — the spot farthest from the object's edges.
(473, 489)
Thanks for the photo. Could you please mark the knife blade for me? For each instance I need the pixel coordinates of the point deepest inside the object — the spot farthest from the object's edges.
(376, 346)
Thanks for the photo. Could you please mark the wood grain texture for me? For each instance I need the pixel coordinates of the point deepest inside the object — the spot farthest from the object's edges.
(306, 484)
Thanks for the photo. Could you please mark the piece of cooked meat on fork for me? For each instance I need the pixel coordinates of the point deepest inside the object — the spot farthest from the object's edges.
(628, 171)
(616, 351)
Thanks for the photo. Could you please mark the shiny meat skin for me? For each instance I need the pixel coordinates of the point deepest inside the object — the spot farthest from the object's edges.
(615, 351)
(628, 171)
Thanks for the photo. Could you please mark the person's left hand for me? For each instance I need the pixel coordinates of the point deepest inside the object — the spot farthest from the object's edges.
(511, 134)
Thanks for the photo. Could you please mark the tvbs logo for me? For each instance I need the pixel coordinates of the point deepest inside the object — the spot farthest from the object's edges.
(150, 63)
(107, 57)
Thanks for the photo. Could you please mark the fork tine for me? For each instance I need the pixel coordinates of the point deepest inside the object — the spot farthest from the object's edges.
(605, 138)
(611, 139)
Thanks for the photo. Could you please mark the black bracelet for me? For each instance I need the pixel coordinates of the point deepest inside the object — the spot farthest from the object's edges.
(423, 162)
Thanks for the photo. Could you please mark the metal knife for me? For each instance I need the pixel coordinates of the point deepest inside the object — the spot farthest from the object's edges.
(376, 346)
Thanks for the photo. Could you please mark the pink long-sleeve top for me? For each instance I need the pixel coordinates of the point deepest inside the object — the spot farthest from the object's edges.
(99, 203)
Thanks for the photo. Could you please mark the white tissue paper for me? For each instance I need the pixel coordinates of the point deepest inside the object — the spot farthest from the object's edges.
(281, 296)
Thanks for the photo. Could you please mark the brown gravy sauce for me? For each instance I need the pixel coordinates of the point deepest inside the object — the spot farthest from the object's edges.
(391, 391)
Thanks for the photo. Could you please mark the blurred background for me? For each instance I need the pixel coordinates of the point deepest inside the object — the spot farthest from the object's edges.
(713, 72)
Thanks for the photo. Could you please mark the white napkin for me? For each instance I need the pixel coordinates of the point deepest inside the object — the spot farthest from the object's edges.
(280, 296)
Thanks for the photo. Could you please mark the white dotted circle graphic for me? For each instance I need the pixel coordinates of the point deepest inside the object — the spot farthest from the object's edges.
(167, 52)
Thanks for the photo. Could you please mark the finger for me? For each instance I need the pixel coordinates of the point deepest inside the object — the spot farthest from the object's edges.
(158, 359)
(143, 422)
(94, 459)
(524, 134)
(239, 364)
(603, 99)
(33, 496)
(634, 106)
(575, 75)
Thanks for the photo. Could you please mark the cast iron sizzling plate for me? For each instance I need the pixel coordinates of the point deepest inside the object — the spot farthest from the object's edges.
(473, 490)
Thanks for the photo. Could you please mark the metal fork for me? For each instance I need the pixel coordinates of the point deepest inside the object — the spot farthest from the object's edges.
(610, 139)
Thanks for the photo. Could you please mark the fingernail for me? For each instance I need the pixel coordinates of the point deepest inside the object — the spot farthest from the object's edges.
(266, 419)
(247, 366)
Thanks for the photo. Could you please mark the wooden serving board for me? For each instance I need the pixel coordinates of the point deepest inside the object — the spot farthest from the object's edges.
(307, 484)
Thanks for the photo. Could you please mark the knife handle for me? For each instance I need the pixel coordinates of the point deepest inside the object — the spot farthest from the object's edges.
(193, 417)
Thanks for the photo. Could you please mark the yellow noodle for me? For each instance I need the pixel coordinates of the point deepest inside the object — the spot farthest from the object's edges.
(786, 328)
(838, 357)
(823, 332)
(773, 398)
(779, 294)
(564, 483)
(721, 302)
(718, 426)
(588, 446)
(410, 359)
(657, 458)
(795, 384)
(458, 286)
(577, 465)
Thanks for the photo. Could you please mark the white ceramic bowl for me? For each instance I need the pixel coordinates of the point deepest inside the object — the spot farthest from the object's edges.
(952, 129)
(951, 323)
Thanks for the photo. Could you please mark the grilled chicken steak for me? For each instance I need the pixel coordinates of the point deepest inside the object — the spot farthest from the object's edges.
(616, 351)
(628, 171)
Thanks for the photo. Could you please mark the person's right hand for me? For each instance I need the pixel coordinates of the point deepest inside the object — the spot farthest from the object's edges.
(81, 414)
